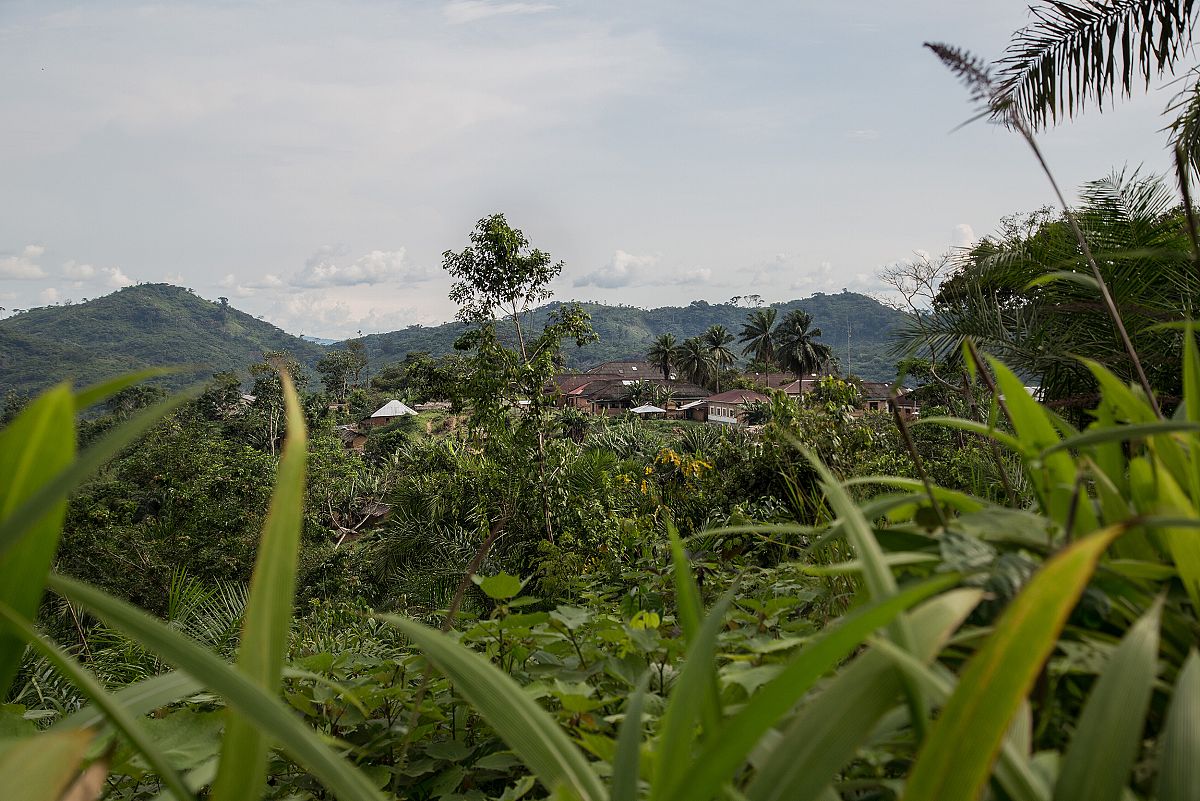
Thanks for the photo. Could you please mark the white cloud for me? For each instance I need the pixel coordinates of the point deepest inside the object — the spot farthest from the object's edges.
(48, 295)
(326, 268)
(115, 277)
(461, 11)
(624, 269)
(78, 272)
(963, 236)
(23, 266)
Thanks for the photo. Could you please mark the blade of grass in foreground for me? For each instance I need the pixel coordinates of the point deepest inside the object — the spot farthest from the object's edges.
(140, 698)
(828, 730)
(50, 492)
(42, 768)
(691, 618)
(243, 769)
(721, 757)
(1179, 771)
(120, 717)
(268, 712)
(528, 729)
(957, 756)
(1108, 733)
(626, 768)
(33, 448)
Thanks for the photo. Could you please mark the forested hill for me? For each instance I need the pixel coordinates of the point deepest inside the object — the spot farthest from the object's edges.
(160, 324)
(626, 332)
(137, 327)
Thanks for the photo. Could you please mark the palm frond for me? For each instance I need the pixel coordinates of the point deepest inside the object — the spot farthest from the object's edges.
(1082, 53)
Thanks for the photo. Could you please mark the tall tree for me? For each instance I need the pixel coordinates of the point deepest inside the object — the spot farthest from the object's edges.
(797, 347)
(695, 361)
(663, 354)
(718, 339)
(758, 337)
(499, 271)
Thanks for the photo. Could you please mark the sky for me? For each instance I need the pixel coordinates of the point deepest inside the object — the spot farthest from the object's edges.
(311, 161)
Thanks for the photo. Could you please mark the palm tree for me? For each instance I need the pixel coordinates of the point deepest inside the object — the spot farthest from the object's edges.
(663, 354)
(1000, 297)
(796, 344)
(695, 361)
(758, 336)
(717, 339)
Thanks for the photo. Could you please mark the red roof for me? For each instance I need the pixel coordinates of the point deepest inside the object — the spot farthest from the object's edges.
(740, 396)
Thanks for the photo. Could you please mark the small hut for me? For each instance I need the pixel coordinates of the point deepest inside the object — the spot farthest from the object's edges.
(388, 413)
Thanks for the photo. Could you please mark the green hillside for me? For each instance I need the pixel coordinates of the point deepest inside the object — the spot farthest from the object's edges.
(137, 327)
(161, 324)
(626, 332)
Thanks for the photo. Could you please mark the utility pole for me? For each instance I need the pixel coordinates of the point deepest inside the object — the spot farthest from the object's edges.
(849, 366)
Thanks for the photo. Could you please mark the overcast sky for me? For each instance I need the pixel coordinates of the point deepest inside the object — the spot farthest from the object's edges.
(311, 161)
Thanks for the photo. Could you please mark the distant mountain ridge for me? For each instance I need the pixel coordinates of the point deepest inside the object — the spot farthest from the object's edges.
(626, 332)
(148, 325)
(161, 324)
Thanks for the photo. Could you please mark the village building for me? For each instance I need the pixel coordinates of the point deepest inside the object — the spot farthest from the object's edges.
(729, 408)
(388, 413)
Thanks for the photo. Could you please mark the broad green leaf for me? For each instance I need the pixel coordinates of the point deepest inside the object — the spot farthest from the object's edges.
(626, 766)
(1179, 767)
(1168, 499)
(1191, 407)
(268, 712)
(243, 771)
(1054, 475)
(36, 446)
(828, 730)
(1109, 731)
(48, 494)
(721, 757)
(42, 767)
(499, 587)
(957, 756)
(139, 698)
(116, 714)
(524, 726)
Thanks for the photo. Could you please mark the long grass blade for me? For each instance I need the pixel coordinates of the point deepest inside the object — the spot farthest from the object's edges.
(1179, 768)
(677, 730)
(720, 758)
(828, 730)
(956, 758)
(528, 729)
(116, 714)
(270, 714)
(1013, 770)
(626, 768)
(39, 443)
(1108, 734)
(243, 770)
(691, 620)
(139, 698)
(50, 493)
